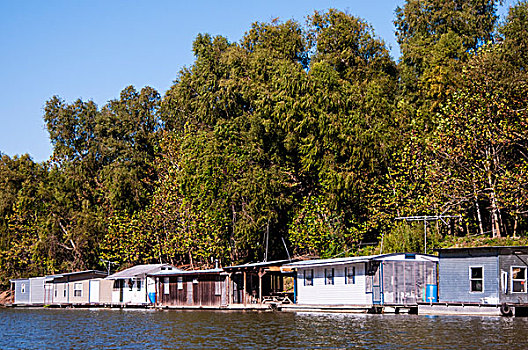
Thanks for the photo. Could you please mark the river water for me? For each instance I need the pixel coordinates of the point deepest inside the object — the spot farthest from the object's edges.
(150, 329)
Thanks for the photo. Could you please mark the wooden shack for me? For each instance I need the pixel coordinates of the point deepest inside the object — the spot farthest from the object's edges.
(191, 289)
(364, 282)
(481, 280)
(258, 283)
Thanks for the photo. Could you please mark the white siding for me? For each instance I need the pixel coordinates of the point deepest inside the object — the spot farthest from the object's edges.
(134, 296)
(36, 290)
(339, 293)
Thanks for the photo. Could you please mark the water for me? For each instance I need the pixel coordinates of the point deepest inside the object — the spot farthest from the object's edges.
(149, 329)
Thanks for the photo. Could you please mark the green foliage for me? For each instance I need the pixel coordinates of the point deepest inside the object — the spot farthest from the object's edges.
(317, 230)
(308, 133)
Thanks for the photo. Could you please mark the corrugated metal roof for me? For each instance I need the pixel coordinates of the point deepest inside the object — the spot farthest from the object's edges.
(258, 264)
(138, 271)
(353, 259)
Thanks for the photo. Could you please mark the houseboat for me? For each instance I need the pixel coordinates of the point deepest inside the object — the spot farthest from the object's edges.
(259, 285)
(191, 289)
(76, 288)
(134, 287)
(376, 283)
(482, 281)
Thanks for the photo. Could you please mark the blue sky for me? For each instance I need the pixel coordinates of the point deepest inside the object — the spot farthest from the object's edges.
(93, 49)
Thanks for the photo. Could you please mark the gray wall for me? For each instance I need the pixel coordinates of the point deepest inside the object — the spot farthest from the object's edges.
(21, 298)
(506, 262)
(453, 270)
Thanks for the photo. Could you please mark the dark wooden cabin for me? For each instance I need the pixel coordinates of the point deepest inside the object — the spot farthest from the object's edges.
(200, 288)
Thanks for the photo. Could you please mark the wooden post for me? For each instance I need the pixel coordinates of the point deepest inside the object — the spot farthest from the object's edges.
(229, 299)
(260, 286)
(245, 288)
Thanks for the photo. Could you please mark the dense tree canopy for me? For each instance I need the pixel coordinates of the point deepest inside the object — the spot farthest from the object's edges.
(301, 137)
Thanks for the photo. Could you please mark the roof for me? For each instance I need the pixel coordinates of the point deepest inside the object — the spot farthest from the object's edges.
(513, 247)
(358, 259)
(61, 275)
(189, 272)
(501, 249)
(138, 271)
(257, 265)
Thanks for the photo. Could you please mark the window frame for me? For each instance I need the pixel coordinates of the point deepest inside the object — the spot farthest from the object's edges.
(329, 278)
(76, 289)
(308, 278)
(218, 287)
(179, 282)
(471, 279)
(518, 279)
(349, 269)
(166, 286)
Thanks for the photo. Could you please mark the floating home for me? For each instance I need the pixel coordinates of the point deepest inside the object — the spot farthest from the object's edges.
(259, 285)
(29, 291)
(77, 288)
(191, 289)
(481, 280)
(388, 282)
(21, 289)
(133, 286)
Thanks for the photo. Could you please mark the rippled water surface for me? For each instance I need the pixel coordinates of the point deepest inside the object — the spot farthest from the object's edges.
(149, 329)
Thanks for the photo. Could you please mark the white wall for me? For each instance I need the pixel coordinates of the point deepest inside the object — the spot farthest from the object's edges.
(135, 296)
(337, 294)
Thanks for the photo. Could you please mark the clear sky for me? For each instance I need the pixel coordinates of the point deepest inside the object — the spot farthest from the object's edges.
(92, 49)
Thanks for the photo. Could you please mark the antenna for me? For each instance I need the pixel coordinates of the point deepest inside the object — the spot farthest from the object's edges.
(110, 263)
(285, 247)
(424, 218)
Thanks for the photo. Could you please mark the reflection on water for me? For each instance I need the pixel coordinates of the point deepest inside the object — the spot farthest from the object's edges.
(141, 329)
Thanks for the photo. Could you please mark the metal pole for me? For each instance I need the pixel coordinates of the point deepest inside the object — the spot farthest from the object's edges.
(425, 236)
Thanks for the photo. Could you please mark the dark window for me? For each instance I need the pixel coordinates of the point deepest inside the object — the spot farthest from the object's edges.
(77, 289)
(138, 283)
(350, 275)
(476, 279)
(308, 277)
(518, 279)
(329, 276)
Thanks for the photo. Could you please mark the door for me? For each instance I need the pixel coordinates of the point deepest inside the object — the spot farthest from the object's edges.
(121, 289)
(377, 297)
(94, 291)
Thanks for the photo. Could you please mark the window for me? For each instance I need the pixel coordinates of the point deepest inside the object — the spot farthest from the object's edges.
(308, 277)
(131, 284)
(329, 276)
(138, 284)
(350, 275)
(180, 283)
(166, 285)
(64, 293)
(23, 288)
(518, 279)
(476, 279)
(218, 287)
(77, 289)
(55, 291)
